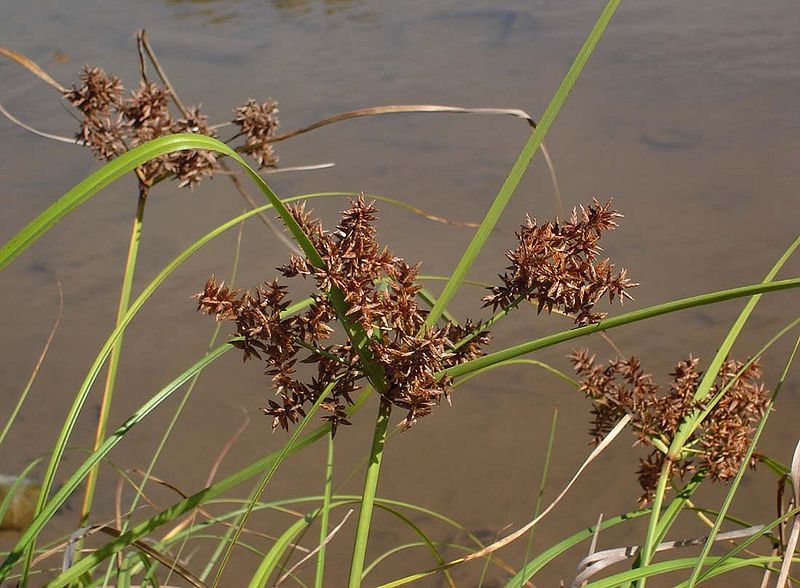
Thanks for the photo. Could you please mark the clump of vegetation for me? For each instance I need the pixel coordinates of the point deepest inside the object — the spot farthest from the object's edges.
(736, 404)
(112, 124)
(374, 333)
(556, 266)
(381, 296)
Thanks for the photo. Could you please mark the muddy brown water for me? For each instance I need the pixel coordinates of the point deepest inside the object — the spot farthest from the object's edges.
(687, 114)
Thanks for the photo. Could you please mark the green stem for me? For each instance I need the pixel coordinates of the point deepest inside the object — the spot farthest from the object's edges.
(326, 508)
(652, 527)
(723, 511)
(255, 495)
(543, 483)
(185, 401)
(60, 497)
(618, 321)
(368, 497)
(116, 352)
(704, 388)
(694, 419)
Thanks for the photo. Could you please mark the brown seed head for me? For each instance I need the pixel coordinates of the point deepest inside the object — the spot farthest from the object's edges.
(258, 123)
(724, 436)
(556, 265)
(380, 292)
(191, 165)
(97, 92)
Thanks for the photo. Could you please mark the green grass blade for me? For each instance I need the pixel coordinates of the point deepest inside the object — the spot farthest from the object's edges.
(521, 165)
(723, 511)
(96, 182)
(182, 507)
(675, 565)
(428, 298)
(91, 376)
(692, 421)
(368, 497)
(437, 556)
(548, 455)
(743, 545)
(50, 507)
(618, 321)
(116, 352)
(389, 505)
(207, 496)
(677, 504)
(672, 511)
(128, 162)
(403, 547)
(273, 557)
(149, 290)
(29, 384)
(251, 548)
(533, 567)
(69, 202)
(185, 400)
(255, 496)
(704, 388)
(319, 574)
(519, 361)
(680, 501)
(135, 157)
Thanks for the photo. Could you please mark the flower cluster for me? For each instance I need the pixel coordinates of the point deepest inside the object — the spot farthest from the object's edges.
(719, 444)
(380, 295)
(99, 98)
(556, 266)
(96, 93)
(190, 165)
(112, 124)
(258, 123)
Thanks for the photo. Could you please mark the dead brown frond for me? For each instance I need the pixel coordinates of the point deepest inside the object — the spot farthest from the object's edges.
(718, 445)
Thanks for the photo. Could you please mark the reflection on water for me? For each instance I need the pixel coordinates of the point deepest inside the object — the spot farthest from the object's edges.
(207, 11)
(671, 139)
(306, 6)
(215, 12)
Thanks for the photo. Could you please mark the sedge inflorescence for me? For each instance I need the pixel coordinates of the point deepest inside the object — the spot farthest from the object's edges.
(735, 403)
(113, 123)
(556, 266)
(258, 123)
(381, 296)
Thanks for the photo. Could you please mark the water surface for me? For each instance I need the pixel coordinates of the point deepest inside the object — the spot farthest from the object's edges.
(687, 115)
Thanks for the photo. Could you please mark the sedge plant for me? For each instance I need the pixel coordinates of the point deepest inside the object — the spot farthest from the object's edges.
(402, 348)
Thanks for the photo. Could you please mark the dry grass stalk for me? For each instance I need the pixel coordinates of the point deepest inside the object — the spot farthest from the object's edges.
(596, 562)
(794, 535)
(522, 531)
(257, 121)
